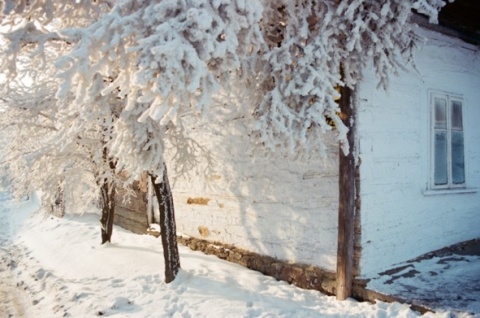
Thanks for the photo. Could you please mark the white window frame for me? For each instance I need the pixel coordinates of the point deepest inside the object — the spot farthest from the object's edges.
(449, 97)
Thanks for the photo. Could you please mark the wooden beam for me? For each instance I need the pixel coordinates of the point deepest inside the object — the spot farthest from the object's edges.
(346, 207)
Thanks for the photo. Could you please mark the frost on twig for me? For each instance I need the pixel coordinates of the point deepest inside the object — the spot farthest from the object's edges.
(129, 73)
(165, 60)
(308, 43)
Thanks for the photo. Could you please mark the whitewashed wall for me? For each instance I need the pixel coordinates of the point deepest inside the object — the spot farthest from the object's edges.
(399, 221)
(273, 207)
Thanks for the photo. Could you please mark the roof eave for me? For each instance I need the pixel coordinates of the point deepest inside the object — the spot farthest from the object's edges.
(422, 21)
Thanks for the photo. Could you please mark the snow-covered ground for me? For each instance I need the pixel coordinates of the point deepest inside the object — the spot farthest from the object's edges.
(54, 267)
(449, 282)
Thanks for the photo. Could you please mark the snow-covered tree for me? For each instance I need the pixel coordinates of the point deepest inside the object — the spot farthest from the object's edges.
(311, 43)
(165, 59)
(141, 69)
(28, 129)
(51, 148)
(314, 48)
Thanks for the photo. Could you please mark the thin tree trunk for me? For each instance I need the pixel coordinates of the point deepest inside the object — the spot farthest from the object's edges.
(107, 200)
(108, 210)
(346, 208)
(150, 217)
(58, 208)
(167, 226)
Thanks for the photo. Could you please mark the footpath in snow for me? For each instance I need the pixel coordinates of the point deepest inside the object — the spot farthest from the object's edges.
(52, 267)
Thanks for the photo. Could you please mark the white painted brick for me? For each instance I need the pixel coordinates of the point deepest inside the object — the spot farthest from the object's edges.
(398, 221)
(272, 206)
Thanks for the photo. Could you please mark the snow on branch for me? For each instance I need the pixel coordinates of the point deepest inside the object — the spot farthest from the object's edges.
(165, 59)
(310, 43)
(430, 8)
(129, 72)
(47, 143)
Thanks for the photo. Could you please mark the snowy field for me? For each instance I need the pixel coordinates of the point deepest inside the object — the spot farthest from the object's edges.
(54, 267)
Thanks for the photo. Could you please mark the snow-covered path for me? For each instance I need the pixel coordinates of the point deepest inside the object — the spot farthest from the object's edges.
(12, 297)
(56, 268)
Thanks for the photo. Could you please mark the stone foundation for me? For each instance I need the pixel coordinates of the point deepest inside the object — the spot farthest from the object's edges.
(301, 275)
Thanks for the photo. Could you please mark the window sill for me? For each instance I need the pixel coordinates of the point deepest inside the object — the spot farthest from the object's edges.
(449, 191)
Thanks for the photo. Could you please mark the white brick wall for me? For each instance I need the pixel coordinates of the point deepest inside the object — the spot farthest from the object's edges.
(398, 221)
(288, 209)
(273, 206)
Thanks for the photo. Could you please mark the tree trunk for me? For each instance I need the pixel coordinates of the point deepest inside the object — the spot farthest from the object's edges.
(167, 226)
(346, 208)
(107, 198)
(107, 192)
(150, 214)
(58, 208)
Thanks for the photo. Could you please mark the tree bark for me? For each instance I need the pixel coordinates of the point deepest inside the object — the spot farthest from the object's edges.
(107, 193)
(167, 226)
(107, 200)
(346, 208)
(58, 208)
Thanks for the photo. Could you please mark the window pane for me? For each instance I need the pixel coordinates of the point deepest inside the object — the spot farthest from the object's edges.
(458, 164)
(457, 115)
(440, 113)
(441, 174)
